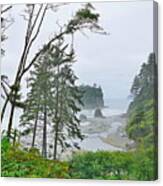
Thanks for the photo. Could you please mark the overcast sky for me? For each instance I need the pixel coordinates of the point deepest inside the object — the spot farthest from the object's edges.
(110, 61)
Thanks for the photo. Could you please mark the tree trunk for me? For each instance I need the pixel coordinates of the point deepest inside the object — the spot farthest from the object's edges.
(11, 115)
(14, 137)
(55, 141)
(44, 144)
(56, 117)
(13, 104)
(10, 120)
(4, 109)
(34, 130)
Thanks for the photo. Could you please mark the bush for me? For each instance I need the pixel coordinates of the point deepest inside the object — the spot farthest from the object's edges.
(137, 165)
(20, 163)
(112, 166)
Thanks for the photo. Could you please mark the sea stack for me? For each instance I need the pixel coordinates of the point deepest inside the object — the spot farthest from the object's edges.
(98, 113)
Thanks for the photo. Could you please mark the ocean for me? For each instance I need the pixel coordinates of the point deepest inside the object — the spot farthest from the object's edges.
(112, 107)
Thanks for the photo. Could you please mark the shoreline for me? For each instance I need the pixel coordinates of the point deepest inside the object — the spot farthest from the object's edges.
(110, 130)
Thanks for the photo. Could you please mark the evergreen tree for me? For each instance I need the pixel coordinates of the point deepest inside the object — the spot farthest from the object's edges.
(143, 110)
(53, 98)
(67, 100)
(38, 103)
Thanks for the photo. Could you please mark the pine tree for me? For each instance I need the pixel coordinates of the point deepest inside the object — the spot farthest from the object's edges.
(38, 101)
(67, 99)
(143, 109)
(54, 98)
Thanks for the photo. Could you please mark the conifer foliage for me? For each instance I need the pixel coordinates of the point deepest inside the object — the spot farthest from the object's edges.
(53, 99)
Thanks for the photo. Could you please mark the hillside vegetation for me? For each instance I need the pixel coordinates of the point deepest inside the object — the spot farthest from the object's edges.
(85, 165)
(142, 112)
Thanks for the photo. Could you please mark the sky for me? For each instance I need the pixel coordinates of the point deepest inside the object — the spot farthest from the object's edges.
(110, 61)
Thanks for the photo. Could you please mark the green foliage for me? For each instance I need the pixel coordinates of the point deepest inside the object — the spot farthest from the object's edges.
(85, 18)
(86, 13)
(135, 165)
(142, 113)
(92, 96)
(112, 166)
(53, 98)
(29, 164)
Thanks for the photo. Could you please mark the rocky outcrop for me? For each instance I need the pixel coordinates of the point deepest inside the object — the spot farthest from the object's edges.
(92, 96)
(82, 117)
(98, 113)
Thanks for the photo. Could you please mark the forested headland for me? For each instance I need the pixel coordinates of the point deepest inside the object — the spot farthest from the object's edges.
(92, 96)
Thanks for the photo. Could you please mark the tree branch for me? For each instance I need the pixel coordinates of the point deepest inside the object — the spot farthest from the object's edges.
(36, 18)
(39, 26)
(45, 48)
(5, 89)
(6, 9)
(37, 32)
(27, 38)
(28, 33)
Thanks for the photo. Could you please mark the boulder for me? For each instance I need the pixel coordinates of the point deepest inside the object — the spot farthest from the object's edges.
(82, 117)
(98, 113)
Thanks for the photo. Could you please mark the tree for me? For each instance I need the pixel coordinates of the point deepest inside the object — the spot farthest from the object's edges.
(53, 98)
(35, 14)
(142, 111)
(67, 102)
(31, 110)
(38, 103)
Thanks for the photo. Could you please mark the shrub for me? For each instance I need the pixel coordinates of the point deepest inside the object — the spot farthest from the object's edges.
(20, 163)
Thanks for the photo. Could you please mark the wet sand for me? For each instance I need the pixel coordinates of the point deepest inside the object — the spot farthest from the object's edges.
(110, 130)
(106, 134)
